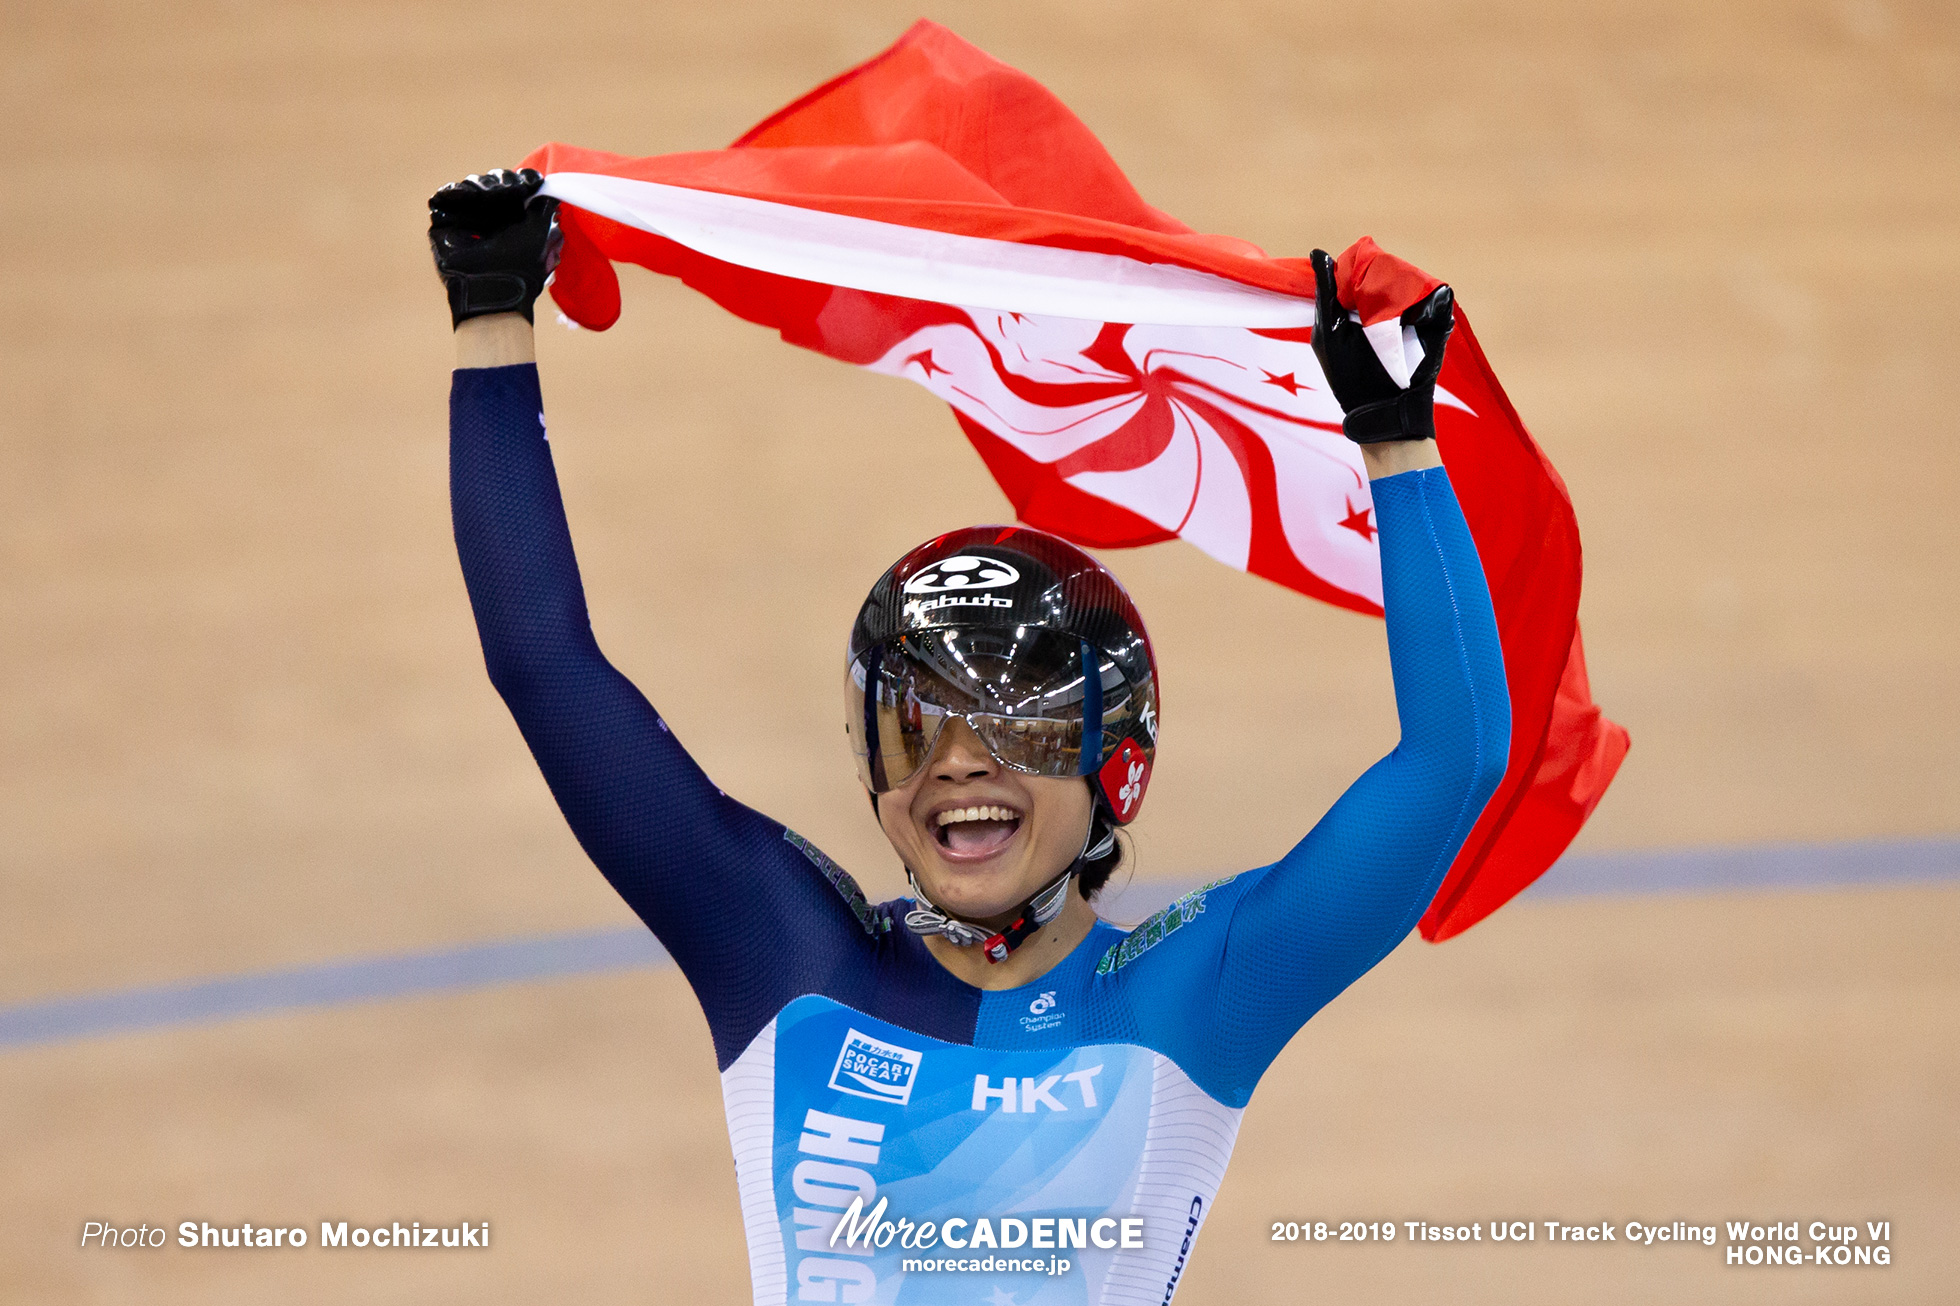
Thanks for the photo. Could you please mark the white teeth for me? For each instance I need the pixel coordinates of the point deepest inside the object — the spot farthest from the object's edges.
(990, 813)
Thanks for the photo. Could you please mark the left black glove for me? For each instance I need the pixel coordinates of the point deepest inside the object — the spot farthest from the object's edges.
(495, 239)
(1377, 409)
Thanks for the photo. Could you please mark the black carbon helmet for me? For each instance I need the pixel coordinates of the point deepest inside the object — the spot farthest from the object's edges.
(997, 624)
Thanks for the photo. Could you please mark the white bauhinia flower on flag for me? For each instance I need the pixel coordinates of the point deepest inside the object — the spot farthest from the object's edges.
(938, 216)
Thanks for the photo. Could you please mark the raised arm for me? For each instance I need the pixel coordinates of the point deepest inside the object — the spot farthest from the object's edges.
(1347, 894)
(742, 908)
(1298, 932)
(1336, 904)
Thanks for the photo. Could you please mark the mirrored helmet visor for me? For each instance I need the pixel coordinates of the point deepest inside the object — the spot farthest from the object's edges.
(1021, 689)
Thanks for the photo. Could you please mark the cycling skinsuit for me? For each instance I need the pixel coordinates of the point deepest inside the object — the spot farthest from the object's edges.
(1026, 1125)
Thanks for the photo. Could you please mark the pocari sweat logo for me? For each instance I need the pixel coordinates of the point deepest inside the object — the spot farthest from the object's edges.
(879, 1071)
(965, 572)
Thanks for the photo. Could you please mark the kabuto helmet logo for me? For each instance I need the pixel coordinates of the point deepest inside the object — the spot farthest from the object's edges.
(967, 571)
(868, 1067)
(1034, 592)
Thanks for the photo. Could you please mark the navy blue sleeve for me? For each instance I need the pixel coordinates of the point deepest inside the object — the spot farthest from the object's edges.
(753, 915)
(1308, 926)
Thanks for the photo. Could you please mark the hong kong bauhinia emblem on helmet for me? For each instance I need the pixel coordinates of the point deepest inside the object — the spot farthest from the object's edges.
(1124, 778)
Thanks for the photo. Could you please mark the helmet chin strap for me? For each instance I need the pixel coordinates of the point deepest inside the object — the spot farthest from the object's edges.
(1037, 911)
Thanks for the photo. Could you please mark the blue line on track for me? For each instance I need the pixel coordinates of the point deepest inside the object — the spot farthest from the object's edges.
(1764, 866)
(374, 979)
(365, 979)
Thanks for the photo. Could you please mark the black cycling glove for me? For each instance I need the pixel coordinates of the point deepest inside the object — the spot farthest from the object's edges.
(495, 240)
(1377, 409)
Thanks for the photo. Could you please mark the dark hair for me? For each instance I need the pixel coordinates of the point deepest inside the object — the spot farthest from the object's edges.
(1097, 872)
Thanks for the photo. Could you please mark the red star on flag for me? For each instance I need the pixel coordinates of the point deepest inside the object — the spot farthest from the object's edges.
(1357, 521)
(1109, 432)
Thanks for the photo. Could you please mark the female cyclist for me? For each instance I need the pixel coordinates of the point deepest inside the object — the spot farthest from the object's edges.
(984, 1088)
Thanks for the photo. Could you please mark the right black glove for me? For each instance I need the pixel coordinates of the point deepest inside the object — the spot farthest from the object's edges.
(495, 240)
(1376, 408)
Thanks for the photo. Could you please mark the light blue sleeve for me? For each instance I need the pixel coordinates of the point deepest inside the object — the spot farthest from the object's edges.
(1223, 1000)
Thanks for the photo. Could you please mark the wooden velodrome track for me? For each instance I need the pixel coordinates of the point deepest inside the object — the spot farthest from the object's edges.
(1711, 249)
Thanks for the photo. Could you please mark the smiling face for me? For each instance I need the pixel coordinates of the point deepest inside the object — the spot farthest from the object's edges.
(980, 838)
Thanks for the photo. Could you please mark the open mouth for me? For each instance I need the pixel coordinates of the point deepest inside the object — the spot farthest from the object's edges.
(975, 831)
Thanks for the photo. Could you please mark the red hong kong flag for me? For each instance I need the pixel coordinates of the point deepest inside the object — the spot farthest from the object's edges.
(936, 215)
